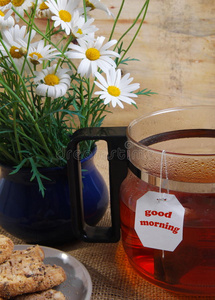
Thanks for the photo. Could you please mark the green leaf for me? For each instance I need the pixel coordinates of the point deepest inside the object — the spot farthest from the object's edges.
(19, 166)
(36, 174)
(145, 92)
(128, 59)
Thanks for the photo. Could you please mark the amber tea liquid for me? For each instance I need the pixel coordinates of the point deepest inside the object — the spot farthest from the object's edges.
(190, 268)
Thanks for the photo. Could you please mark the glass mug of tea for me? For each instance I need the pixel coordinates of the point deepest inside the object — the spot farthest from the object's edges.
(162, 196)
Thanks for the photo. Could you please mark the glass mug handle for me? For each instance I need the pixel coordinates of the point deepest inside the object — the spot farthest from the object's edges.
(117, 157)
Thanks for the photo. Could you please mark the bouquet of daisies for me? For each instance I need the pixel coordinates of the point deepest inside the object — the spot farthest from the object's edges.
(59, 79)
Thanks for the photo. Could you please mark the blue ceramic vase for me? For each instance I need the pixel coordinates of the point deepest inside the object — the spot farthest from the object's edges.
(27, 215)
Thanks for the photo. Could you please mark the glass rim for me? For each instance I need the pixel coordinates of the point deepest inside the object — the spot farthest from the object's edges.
(165, 111)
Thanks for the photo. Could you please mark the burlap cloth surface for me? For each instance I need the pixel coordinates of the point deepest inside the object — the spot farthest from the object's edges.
(111, 273)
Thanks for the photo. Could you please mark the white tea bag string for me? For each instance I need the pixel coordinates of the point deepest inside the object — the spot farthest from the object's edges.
(163, 163)
(163, 159)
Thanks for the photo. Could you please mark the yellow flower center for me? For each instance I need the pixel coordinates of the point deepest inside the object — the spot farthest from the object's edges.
(92, 54)
(51, 79)
(35, 61)
(65, 15)
(17, 3)
(4, 2)
(89, 4)
(80, 31)
(43, 6)
(23, 51)
(14, 52)
(1, 13)
(114, 91)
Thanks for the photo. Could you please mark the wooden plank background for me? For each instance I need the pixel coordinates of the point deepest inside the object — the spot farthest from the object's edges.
(176, 52)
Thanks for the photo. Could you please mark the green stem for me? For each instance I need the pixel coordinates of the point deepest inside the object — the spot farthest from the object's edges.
(88, 102)
(25, 90)
(7, 154)
(70, 39)
(81, 93)
(30, 25)
(25, 137)
(85, 10)
(11, 92)
(144, 8)
(133, 24)
(98, 116)
(116, 20)
(15, 131)
(47, 107)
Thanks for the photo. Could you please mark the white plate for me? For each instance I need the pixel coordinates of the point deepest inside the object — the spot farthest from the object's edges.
(78, 285)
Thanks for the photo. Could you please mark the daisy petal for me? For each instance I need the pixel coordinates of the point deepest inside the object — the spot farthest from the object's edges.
(101, 79)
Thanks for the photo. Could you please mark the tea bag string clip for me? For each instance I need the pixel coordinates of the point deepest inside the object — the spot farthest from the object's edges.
(163, 163)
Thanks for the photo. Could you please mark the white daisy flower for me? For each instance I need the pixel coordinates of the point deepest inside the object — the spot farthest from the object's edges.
(116, 89)
(52, 83)
(6, 20)
(80, 28)
(62, 13)
(93, 54)
(96, 4)
(13, 40)
(42, 10)
(20, 6)
(16, 34)
(41, 52)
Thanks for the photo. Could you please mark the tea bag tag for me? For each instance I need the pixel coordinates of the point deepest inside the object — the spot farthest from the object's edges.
(159, 219)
